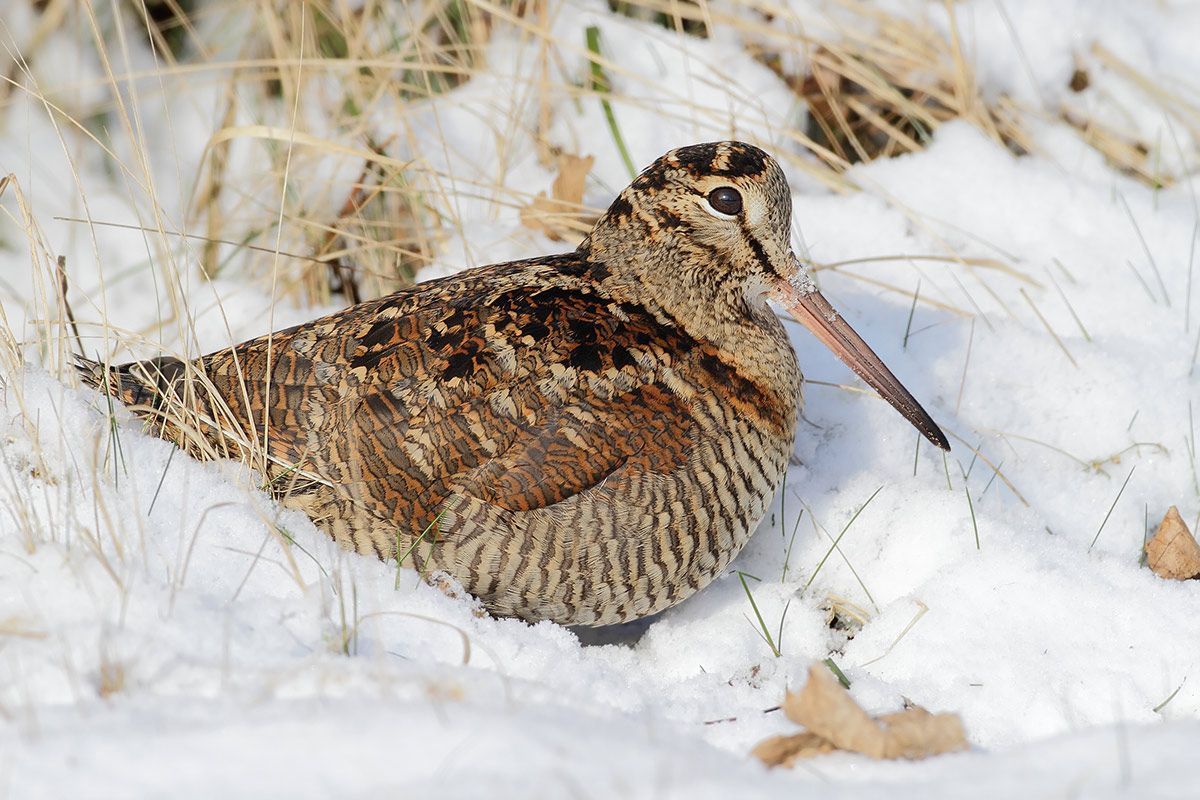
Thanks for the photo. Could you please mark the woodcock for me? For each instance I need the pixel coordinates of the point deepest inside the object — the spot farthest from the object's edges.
(586, 438)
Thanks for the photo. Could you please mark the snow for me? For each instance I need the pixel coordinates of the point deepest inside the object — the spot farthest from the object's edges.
(165, 629)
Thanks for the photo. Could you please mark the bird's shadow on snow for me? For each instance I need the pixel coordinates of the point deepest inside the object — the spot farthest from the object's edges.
(626, 633)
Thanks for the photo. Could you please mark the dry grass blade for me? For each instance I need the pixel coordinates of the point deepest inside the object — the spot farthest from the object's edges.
(995, 468)
(19, 628)
(1123, 150)
(1049, 330)
(967, 261)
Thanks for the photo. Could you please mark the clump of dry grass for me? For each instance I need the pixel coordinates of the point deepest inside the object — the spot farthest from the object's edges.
(875, 85)
(381, 59)
(1124, 149)
(884, 85)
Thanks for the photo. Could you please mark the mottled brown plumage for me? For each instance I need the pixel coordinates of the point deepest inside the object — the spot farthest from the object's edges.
(587, 438)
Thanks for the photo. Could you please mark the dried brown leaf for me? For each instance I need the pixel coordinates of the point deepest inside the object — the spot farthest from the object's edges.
(828, 710)
(572, 176)
(917, 733)
(832, 716)
(783, 751)
(1172, 552)
(557, 216)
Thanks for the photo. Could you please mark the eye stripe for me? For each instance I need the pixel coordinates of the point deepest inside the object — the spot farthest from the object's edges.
(759, 252)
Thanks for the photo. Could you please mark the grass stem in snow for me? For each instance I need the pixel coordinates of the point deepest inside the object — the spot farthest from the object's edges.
(1142, 281)
(837, 672)
(1191, 448)
(1170, 697)
(970, 506)
(1195, 351)
(991, 480)
(1187, 299)
(962, 384)
(911, 311)
(1046, 325)
(1146, 249)
(287, 535)
(974, 458)
(787, 557)
(1110, 508)
(161, 478)
(1142, 554)
(432, 526)
(764, 631)
(833, 546)
(600, 86)
(114, 435)
(1070, 308)
(975, 524)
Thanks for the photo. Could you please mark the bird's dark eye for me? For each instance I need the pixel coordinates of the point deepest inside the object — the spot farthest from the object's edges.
(726, 200)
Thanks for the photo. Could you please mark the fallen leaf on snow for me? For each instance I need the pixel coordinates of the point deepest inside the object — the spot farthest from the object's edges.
(558, 216)
(835, 722)
(1172, 552)
(783, 751)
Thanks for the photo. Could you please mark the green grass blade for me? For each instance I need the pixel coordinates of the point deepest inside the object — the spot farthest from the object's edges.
(601, 86)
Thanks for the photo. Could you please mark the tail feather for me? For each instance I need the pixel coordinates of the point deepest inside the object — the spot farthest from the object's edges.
(138, 383)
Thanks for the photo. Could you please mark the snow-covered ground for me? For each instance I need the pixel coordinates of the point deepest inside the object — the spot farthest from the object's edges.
(160, 636)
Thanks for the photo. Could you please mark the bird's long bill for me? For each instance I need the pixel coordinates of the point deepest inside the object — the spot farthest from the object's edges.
(811, 309)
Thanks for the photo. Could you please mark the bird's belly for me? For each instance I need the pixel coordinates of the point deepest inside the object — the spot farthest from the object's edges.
(635, 545)
(712, 506)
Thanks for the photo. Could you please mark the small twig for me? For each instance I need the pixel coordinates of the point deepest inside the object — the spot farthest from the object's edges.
(770, 710)
(61, 268)
(344, 274)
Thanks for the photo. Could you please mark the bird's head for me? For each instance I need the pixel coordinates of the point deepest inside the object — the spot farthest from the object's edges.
(707, 229)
